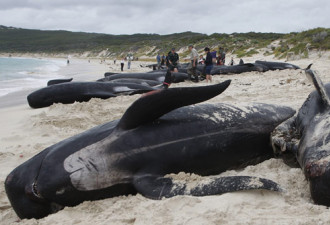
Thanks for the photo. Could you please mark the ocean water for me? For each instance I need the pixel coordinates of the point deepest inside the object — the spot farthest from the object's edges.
(17, 74)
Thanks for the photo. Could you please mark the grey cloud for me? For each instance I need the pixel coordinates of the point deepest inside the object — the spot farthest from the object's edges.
(164, 17)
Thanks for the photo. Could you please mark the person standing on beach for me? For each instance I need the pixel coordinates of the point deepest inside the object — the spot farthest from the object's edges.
(222, 57)
(163, 60)
(231, 61)
(129, 60)
(158, 61)
(122, 64)
(208, 65)
(173, 60)
(193, 63)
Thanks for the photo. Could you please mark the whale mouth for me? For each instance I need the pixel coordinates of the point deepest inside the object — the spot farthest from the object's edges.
(35, 191)
(54, 207)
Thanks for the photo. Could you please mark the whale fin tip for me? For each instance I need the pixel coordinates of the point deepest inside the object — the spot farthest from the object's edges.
(319, 86)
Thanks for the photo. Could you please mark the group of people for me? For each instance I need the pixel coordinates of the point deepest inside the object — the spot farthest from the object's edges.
(172, 61)
(122, 62)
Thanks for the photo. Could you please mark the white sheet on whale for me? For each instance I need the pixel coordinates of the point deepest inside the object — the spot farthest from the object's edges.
(122, 89)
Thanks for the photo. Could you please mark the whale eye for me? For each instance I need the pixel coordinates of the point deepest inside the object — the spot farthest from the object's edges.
(60, 191)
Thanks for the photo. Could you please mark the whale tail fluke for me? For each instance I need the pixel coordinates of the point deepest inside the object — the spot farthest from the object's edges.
(319, 86)
(155, 187)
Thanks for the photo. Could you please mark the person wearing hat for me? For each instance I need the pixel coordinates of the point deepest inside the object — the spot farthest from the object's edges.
(193, 63)
(173, 59)
(208, 65)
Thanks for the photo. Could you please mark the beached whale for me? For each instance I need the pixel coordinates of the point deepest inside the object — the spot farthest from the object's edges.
(160, 133)
(277, 65)
(158, 76)
(67, 93)
(307, 136)
(58, 81)
(240, 68)
(154, 66)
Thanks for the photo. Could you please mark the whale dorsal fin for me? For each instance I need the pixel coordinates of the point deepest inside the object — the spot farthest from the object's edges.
(157, 103)
(309, 66)
(318, 84)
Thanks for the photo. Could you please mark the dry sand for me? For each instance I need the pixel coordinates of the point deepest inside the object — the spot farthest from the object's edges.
(25, 132)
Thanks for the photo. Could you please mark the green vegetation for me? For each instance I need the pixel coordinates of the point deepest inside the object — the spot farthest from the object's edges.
(242, 44)
(301, 43)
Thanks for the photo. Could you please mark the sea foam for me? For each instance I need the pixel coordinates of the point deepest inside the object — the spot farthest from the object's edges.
(17, 74)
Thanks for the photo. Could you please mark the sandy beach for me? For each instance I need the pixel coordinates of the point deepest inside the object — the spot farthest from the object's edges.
(26, 131)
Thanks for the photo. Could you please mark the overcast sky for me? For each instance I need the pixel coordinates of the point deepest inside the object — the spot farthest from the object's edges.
(166, 16)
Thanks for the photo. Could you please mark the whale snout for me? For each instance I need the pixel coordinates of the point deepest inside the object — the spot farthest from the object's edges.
(23, 198)
(24, 192)
(320, 189)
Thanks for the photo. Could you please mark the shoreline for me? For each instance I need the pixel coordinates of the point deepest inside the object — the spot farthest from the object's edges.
(78, 69)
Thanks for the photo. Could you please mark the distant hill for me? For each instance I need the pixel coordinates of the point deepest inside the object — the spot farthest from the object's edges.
(18, 40)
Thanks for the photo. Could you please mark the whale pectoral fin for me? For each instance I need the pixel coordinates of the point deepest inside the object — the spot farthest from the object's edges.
(221, 185)
(156, 187)
(319, 86)
(157, 103)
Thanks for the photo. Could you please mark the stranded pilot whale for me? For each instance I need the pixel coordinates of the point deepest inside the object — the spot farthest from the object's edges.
(307, 136)
(71, 92)
(160, 133)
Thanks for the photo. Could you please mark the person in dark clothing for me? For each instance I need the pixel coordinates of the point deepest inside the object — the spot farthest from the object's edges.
(166, 59)
(208, 65)
(172, 65)
(122, 64)
(173, 60)
(231, 61)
